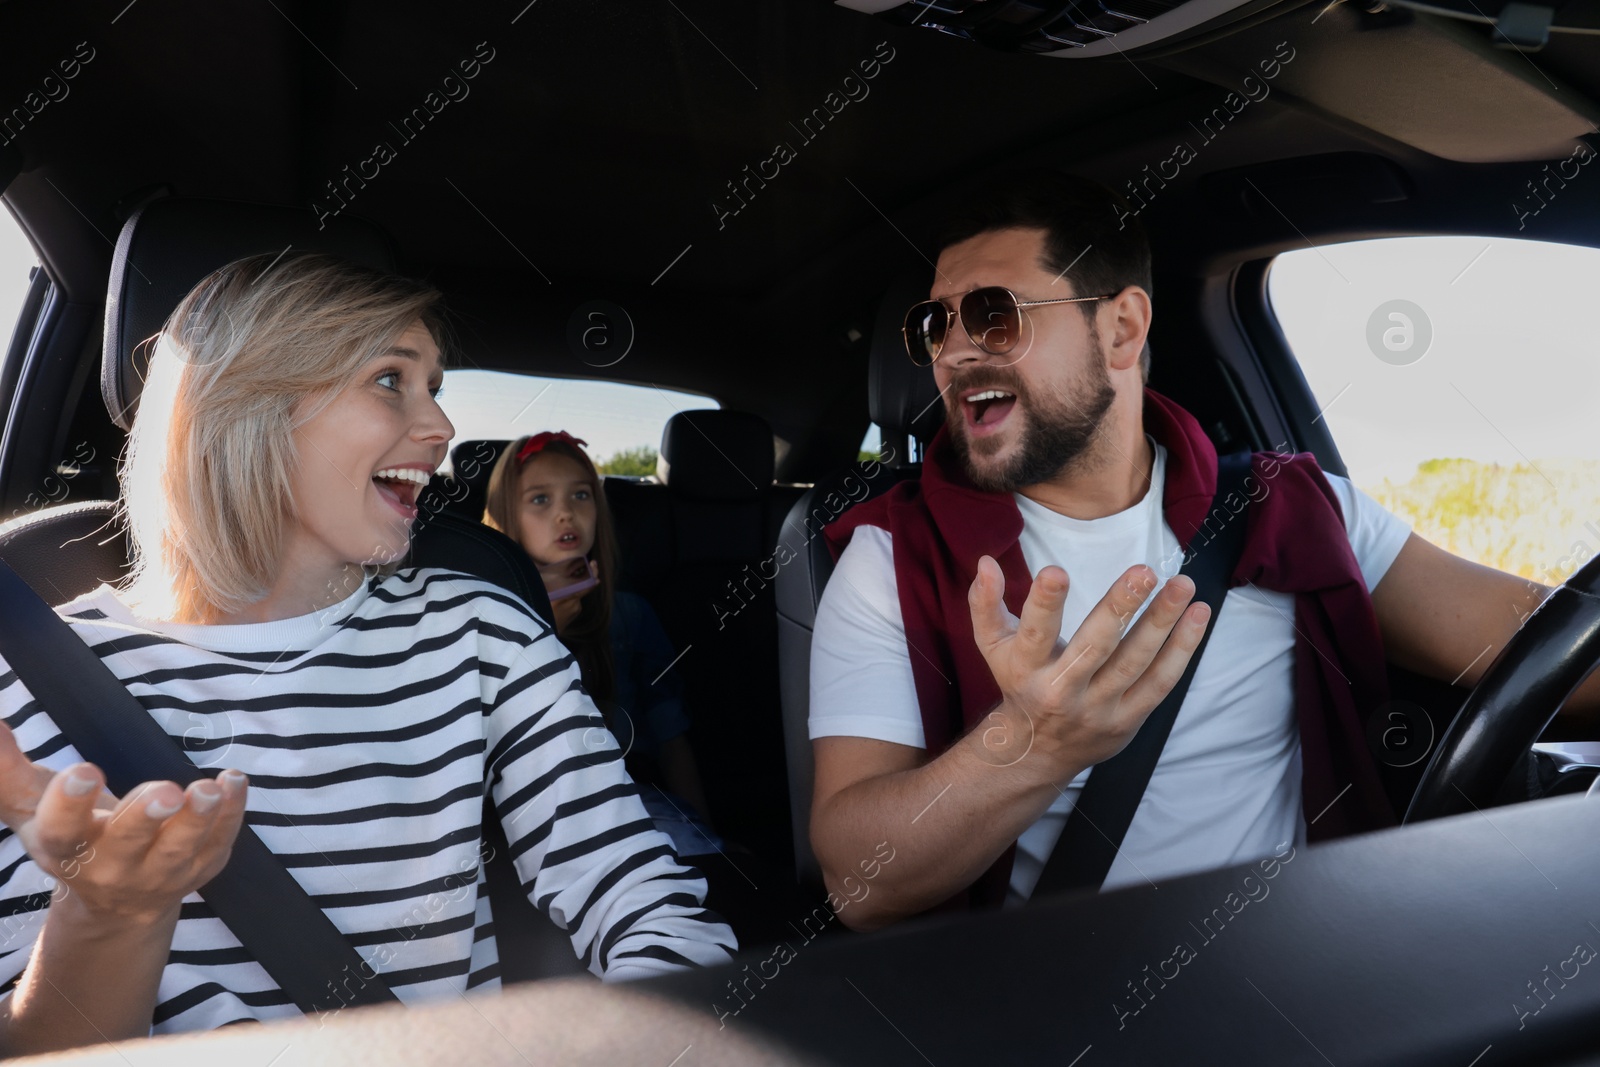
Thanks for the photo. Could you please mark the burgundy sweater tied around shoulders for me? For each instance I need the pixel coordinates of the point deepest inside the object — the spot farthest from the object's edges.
(1295, 543)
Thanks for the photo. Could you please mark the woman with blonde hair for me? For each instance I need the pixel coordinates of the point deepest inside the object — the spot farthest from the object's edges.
(365, 710)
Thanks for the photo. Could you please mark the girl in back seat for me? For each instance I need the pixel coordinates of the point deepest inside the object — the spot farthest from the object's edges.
(287, 424)
(546, 494)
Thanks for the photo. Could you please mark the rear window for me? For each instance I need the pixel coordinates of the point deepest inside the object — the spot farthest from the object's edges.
(621, 423)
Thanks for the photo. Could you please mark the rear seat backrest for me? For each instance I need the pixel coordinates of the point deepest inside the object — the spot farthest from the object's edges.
(700, 548)
(464, 490)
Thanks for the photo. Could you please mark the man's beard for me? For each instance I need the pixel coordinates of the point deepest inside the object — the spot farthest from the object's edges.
(1055, 434)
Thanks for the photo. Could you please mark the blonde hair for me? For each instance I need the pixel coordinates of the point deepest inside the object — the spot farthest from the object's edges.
(588, 635)
(256, 349)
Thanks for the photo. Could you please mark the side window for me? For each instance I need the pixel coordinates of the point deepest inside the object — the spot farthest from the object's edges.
(872, 443)
(17, 259)
(1457, 376)
(621, 423)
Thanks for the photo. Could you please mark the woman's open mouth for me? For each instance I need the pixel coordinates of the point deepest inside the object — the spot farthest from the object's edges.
(399, 487)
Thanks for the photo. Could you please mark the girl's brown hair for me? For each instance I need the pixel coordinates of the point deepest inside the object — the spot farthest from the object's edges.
(588, 635)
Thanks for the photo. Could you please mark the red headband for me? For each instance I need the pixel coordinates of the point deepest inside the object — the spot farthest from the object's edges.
(537, 442)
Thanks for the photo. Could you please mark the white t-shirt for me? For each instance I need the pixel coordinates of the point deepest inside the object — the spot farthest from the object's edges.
(1227, 786)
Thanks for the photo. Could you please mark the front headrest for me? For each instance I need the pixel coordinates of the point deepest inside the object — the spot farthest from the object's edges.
(170, 244)
(716, 455)
(901, 396)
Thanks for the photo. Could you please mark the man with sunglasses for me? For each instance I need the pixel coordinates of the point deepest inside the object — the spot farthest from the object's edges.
(998, 627)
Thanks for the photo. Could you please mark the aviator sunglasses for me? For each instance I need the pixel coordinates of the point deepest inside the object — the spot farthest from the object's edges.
(992, 317)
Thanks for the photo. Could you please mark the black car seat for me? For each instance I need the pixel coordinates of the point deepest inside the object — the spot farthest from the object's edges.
(164, 248)
(695, 547)
(465, 489)
(905, 403)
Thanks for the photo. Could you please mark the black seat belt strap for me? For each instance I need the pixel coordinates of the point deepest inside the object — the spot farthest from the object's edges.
(1099, 821)
(255, 896)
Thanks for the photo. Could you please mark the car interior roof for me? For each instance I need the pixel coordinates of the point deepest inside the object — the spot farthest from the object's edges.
(589, 155)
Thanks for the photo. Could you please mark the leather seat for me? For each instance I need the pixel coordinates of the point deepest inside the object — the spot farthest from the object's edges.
(466, 488)
(696, 547)
(164, 248)
(905, 404)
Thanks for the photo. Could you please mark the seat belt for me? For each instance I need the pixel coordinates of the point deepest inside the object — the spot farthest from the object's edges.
(1099, 821)
(254, 895)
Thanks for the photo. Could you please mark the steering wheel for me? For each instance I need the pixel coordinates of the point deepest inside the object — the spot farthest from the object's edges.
(1538, 670)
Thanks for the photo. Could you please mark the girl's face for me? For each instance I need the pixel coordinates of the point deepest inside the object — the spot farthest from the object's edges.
(556, 508)
(385, 420)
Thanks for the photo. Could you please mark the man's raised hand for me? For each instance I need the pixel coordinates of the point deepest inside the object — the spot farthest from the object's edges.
(128, 860)
(1077, 703)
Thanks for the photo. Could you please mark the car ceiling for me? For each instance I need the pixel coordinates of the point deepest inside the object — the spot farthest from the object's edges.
(587, 157)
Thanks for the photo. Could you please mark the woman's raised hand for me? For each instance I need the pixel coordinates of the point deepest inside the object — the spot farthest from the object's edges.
(128, 860)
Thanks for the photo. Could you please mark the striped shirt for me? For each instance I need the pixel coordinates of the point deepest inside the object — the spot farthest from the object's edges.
(371, 732)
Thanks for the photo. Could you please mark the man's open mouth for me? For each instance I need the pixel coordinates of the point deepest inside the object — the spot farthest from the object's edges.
(985, 409)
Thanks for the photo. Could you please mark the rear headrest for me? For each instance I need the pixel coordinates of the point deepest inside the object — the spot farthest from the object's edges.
(716, 455)
(901, 396)
(471, 462)
(170, 244)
